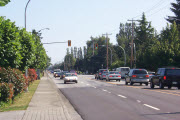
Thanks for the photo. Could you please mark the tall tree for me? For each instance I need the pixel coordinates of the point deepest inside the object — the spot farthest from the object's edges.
(176, 10)
(144, 40)
(4, 2)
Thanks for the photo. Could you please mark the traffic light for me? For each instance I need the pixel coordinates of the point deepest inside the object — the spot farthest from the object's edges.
(69, 42)
(96, 46)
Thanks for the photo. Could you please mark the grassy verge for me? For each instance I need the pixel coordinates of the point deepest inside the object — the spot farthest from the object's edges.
(22, 101)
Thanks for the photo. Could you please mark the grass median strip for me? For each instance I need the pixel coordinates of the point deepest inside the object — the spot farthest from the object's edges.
(22, 101)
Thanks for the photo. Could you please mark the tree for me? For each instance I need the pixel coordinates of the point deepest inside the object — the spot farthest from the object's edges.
(40, 53)
(27, 49)
(123, 39)
(10, 45)
(176, 10)
(145, 38)
(4, 2)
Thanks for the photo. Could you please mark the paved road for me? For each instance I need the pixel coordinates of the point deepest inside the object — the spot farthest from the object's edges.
(98, 100)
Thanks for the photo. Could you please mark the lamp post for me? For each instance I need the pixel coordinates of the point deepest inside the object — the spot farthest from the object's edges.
(25, 12)
(124, 55)
(43, 29)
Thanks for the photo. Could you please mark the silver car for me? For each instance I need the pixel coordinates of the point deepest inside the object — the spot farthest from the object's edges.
(137, 76)
(113, 75)
(103, 75)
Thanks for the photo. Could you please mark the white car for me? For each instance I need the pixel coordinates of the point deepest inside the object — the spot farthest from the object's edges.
(70, 77)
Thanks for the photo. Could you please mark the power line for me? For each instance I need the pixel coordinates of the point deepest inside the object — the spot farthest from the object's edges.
(159, 10)
(152, 8)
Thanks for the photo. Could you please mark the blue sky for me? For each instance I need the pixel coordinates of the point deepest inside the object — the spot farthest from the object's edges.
(78, 20)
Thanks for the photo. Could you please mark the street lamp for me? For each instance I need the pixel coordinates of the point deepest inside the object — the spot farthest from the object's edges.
(25, 12)
(124, 55)
(43, 29)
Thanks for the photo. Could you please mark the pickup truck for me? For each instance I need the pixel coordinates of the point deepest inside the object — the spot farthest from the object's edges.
(169, 77)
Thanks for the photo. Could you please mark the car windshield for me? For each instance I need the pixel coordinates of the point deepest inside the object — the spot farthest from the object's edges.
(140, 72)
(103, 70)
(151, 73)
(113, 72)
(69, 75)
(124, 69)
(173, 72)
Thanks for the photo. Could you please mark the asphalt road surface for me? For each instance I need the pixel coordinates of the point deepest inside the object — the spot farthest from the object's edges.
(101, 100)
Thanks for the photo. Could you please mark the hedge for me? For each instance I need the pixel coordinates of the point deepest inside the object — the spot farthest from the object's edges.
(14, 82)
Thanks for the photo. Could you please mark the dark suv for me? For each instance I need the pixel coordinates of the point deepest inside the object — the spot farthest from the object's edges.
(166, 77)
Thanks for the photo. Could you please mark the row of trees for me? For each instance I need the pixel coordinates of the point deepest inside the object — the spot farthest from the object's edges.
(19, 48)
(151, 49)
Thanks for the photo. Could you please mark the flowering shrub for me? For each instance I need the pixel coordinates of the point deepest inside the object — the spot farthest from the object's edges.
(18, 81)
(32, 74)
(6, 91)
(13, 82)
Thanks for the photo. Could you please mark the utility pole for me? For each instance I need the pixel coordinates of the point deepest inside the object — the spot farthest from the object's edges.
(107, 41)
(93, 47)
(132, 42)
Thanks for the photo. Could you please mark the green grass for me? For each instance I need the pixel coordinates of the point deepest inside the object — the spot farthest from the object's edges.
(21, 101)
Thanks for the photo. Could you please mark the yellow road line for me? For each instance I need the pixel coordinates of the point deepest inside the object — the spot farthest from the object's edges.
(165, 92)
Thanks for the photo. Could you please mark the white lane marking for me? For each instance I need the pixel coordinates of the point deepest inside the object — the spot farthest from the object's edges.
(93, 86)
(82, 82)
(87, 84)
(109, 92)
(122, 96)
(104, 90)
(151, 107)
(138, 101)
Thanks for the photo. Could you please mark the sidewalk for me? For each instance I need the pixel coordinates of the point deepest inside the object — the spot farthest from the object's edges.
(48, 103)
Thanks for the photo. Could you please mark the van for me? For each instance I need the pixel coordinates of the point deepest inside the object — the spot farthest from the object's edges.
(123, 71)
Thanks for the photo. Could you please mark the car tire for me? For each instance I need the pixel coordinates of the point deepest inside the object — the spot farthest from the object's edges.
(64, 82)
(146, 84)
(126, 83)
(161, 86)
(76, 81)
(140, 84)
(152, 85)
(169, 86)
(178, 87)
(131, 83)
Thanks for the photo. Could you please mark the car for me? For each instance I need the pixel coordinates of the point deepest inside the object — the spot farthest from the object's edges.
(73, 71)
(113, 75)
(103, 75)
(137, 76)
(151, 74)
(166, 77)
(63, 74)
(98, 74)
(70, 77)
(57, 74)
(123, 71)
(56, 70)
